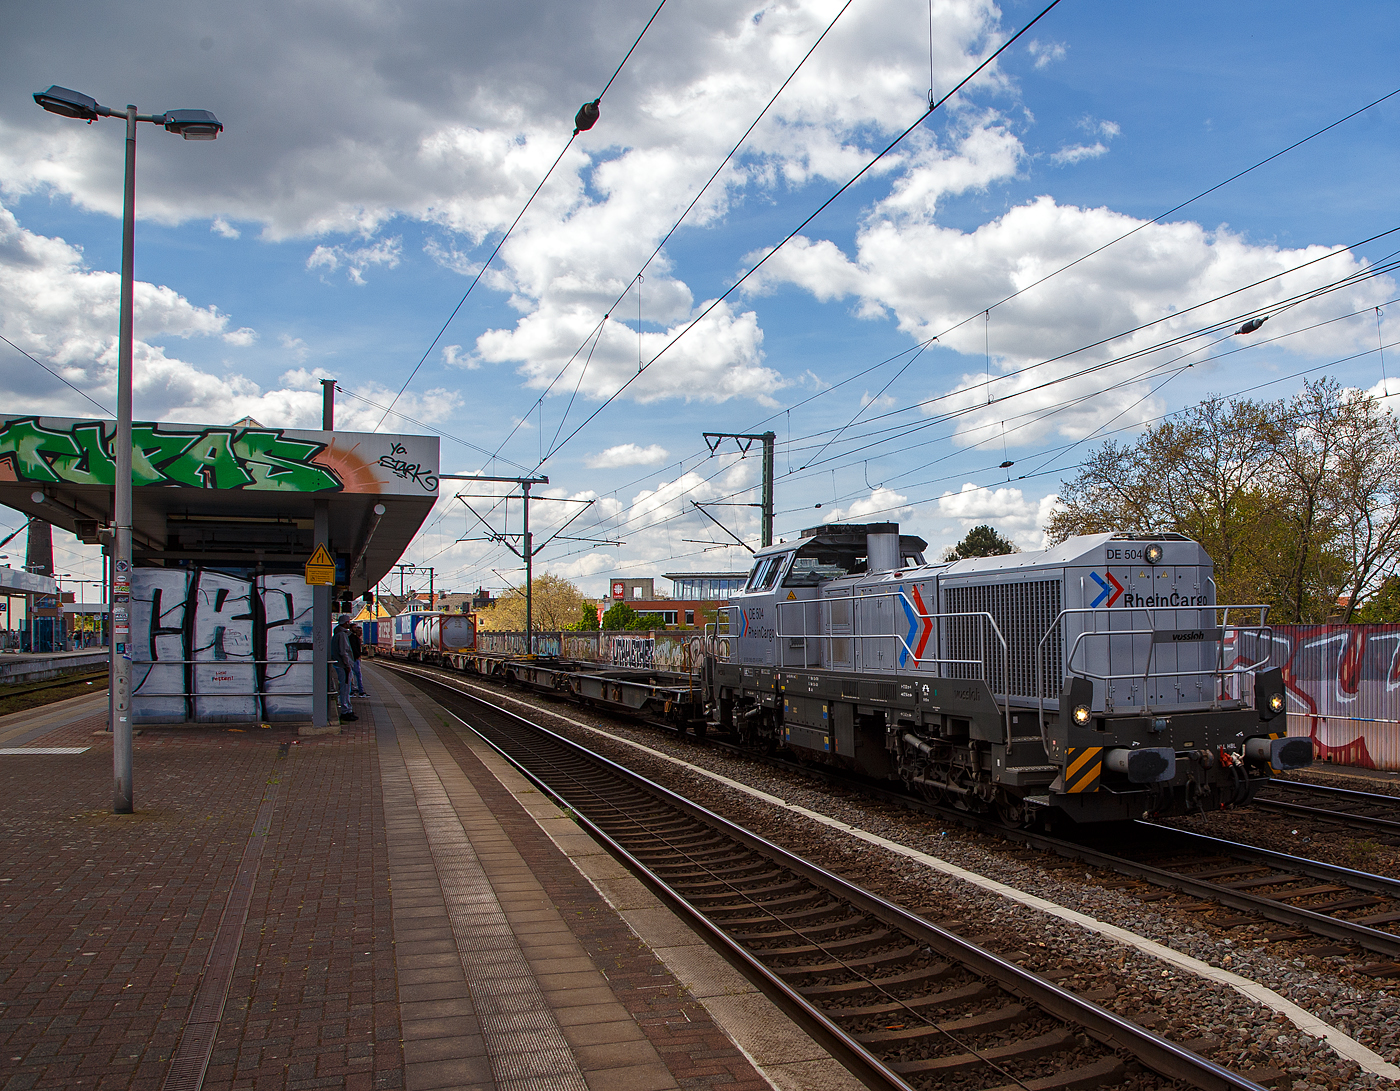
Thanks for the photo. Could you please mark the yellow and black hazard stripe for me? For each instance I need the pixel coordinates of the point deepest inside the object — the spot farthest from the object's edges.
(1083, 765)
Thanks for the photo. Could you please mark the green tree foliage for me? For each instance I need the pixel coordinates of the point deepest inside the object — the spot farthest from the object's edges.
(587, 619)
(1382, 608)
(981, 541)
(1297, 502)
(556, 605)
(622, 616)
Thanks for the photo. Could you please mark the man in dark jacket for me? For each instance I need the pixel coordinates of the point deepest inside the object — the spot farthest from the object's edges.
(343, 656)
(358, 690)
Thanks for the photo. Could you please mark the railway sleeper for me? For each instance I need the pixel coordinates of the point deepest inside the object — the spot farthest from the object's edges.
(828, 907)
(935, 972)
(740, 878)
(963, 994)
(747, 904)
(856, 944)
(1267, 881)
(808, 932)
(792, 886)
(1054, 1042)
(1361, 901)
(1105, 1070)
(981, 1023)
(646, 846)
(872, 962)
(717, 856)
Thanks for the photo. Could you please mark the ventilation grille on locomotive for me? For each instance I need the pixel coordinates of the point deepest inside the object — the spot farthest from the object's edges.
(1023, 612)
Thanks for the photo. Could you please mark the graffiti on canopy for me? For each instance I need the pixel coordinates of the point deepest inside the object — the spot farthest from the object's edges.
(252, 459)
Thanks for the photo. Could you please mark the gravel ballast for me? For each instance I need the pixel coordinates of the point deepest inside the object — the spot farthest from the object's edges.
(1210, 1018)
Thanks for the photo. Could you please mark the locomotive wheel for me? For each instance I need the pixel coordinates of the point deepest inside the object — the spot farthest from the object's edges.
(1011, 811)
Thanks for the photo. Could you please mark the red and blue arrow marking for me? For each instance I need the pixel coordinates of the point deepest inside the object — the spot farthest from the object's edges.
(920, 626)
(1106, 592)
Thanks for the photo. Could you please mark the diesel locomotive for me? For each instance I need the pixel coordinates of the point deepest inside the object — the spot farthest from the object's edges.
(1098, 679)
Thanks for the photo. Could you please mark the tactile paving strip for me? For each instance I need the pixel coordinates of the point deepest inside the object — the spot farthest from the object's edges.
(523, 1040)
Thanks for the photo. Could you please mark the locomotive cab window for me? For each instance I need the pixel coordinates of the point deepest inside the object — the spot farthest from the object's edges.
(765, 573)
(770, 576)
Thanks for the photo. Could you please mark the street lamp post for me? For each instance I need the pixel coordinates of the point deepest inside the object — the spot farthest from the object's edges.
(192, 125)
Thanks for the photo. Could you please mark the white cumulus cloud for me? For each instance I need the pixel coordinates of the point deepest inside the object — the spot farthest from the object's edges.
(627, 454)
(1007, 509)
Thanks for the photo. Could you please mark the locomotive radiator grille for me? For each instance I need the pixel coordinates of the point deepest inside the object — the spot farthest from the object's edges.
(1023, 612)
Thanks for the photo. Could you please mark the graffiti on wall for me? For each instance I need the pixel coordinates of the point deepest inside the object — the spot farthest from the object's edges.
(249, 458)
(1343, 684)
(212, 648)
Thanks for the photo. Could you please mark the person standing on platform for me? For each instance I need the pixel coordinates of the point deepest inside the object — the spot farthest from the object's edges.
(356, 646)
(343, 655)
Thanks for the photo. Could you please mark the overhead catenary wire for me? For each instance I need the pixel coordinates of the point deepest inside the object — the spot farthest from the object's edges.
(1100, 249)
(1033, 415)
(685, 213)
(56, 375)
(710, 307)
(529, 200)
(845, 381)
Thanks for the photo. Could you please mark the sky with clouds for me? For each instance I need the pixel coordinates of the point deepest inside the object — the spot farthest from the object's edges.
(1002, 286)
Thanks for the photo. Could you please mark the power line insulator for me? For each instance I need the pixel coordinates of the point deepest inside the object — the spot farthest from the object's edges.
(1007, 465)
(586, 117)
(1253, 324)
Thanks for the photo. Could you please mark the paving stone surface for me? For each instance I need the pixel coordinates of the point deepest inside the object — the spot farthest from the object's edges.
(107, 921)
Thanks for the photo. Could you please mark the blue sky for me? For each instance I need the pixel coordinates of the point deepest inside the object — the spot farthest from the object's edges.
(374, 155)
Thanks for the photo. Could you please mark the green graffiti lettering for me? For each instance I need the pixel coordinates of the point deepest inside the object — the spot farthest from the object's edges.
(261, 459)
(282, 465)
(27, 444)
(150, 448)
(209, 463)
(94, 465)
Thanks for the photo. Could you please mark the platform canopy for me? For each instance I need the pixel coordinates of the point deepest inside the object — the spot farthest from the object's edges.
(238, 497)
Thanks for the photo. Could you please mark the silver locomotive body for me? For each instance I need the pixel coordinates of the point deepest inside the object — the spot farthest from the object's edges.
(1096, 679)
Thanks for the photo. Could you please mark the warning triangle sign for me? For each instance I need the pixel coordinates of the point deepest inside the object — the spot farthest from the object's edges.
(320, 569)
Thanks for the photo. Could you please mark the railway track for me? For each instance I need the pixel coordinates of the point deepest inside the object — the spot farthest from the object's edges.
(904, 1003)
(1376, 814)
(1348, 910)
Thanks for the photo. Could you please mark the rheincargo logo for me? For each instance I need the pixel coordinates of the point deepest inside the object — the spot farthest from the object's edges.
(1159, 601)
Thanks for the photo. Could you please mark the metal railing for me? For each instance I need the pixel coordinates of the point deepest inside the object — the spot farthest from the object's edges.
(1219, 672)
(925, 665)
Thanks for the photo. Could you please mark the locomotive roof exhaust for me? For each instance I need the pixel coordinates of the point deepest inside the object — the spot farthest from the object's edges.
(884, 548)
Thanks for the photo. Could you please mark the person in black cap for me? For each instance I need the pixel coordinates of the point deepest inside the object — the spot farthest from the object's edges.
(343, 656)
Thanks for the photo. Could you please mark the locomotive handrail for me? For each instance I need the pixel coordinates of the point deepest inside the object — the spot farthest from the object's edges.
(1220, 671)
(1004, 699)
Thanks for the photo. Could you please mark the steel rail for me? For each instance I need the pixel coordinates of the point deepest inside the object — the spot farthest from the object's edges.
(1342, 795)
(1110, 1029)
(1280, 912)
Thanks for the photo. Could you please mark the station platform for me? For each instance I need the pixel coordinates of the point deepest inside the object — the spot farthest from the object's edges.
(38, 666)
(391, 907)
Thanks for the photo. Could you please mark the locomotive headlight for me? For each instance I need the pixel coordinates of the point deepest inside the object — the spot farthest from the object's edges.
(1152, 554)
(1275, 703)
(1081, 715)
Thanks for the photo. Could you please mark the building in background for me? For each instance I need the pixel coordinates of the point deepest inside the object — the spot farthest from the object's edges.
(694, 598)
